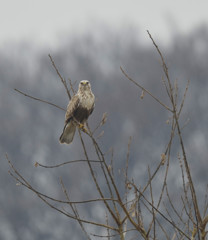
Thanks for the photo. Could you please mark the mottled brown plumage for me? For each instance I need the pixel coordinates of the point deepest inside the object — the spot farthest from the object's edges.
(78, 110)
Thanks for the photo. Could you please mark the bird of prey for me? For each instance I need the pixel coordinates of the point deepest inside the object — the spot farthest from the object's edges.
(78, 110)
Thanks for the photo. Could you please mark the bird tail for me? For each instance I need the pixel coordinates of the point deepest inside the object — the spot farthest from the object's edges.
(68, 133)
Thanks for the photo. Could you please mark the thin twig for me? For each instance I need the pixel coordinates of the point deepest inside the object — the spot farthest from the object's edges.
(145, 90)
(68, 162)
(38, 99)
(74, 209)
(71, 85)
(95, 180)
(173, 207)
(184, 97)
(205, 202)
(153, 211)
(61, 78)
(156, 209)
(174, 111)
(139, 228)
(20, 179)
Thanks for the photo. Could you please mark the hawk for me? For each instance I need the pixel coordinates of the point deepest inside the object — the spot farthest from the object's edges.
(78, 110)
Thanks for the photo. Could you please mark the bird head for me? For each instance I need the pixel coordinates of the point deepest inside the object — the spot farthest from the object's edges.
(85, 85)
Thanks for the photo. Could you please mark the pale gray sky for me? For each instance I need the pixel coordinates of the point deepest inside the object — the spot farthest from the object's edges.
(44, 22)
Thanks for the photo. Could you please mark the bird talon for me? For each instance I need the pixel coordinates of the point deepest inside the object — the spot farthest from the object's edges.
(84, 130)
(81, 126)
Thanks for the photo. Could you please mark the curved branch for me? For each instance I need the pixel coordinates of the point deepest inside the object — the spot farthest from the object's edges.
(61, 164)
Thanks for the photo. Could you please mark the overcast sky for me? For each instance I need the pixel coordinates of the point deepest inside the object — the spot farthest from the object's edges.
(44, 22)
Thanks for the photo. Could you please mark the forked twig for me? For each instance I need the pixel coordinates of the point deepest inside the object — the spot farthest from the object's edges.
(20, 179)
(145, 90)
(116, 204)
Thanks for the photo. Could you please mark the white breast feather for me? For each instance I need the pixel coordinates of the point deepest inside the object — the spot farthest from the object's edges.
(87, 100)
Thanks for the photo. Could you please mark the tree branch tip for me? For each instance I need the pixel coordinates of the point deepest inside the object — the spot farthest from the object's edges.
(122, 69)
(36, 164)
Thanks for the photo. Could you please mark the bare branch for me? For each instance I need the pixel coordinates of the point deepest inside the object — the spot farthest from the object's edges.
(74, 209)
(38, 99)
(19, 178)
(193, 194)
(156, 209)
(64, 163)
(145, 90)
(129, 209)
(61, 78)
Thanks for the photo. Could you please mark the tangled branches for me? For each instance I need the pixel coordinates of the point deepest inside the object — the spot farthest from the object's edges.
(140, 215)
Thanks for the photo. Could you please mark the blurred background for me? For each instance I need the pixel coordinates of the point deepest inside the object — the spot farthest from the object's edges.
(91, 40)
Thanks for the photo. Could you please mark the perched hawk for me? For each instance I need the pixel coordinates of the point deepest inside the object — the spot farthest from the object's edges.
(78, 110)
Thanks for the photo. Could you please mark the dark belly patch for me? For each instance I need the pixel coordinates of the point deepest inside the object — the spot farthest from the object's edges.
(81, 114)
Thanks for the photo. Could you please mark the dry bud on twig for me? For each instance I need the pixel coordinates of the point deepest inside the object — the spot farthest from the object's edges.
(100, 135)
(142, 95)
(163, 158)
(129, 186)
(36, 164)
(104, 119)
(167, 121)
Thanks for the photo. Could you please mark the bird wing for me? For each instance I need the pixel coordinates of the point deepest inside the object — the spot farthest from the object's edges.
(91, 110)
(71, 108)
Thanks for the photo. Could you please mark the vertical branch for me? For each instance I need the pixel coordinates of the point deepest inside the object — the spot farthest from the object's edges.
(96, 182)
(193, 194)
(205, 202)
(111, 162)
(71, 86)
(139, 228)
(153, 211)
(108, 231)
(127, 160)
(106, 171)
(61, 78)
(73, 207)
(126, 171)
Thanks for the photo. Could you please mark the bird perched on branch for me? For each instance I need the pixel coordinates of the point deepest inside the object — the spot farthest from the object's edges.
(78, 110)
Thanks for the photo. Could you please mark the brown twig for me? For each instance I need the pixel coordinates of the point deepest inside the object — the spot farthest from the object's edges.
(119, 208)
(174, 110)
(38, 99)
(61, 78)
(95, 180)
(20, 179)
(64, 163)
(145, 90)
(153, 211)
(74, 209)
(157, 210)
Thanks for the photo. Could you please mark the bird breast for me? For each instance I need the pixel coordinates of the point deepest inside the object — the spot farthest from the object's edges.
(87, 101)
